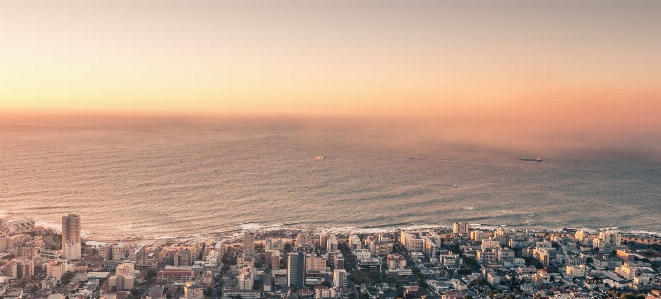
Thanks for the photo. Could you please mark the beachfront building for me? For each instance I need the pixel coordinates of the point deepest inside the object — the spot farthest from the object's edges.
(460, 228)
(610, 238)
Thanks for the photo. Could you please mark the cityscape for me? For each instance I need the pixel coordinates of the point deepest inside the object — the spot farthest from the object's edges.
(457, 262)
(330, 149)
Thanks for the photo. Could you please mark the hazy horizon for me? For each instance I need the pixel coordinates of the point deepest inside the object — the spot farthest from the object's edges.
(580, 64)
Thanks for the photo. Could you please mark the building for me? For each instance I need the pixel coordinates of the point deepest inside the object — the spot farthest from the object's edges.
(56, 268)
(183, 257)
(627, 270)
(583, 237)
(542, 255)
(246, 279)
(380, 249)
(461, 228)
(610, 238)
(478, 235)
(504, 253)
(488, 255)
(576, 271)
(18, 269)
(338, 261)
(370, 265)
(362, 254)
(121, 282)
(193, 291)
(323, 240)
(235, 292)
(396, 261)
(354, 242)
(300, 240)
(340, 278)
(118, 252)
(314, 263)
(124, 277)
(169, 275)
(125, 269)
(70, 229)
(296, 270)
(71, 250)
(321, 292)
(275, 259)
(331, 244)
(249, 244)
(490, 243)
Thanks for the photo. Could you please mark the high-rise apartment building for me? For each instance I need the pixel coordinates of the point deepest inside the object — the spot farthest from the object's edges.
(71, 237)
(71, 228)
(340, 278)
(323, 240)
(296, 270)
(249, 244)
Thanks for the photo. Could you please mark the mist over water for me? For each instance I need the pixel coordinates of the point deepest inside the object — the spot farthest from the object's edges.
(181, 178)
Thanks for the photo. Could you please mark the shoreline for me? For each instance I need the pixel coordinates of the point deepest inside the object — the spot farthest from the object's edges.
(290, 230)
(263, 232)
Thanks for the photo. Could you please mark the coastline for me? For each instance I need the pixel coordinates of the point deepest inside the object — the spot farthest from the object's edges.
(291, 230)
(279, 231)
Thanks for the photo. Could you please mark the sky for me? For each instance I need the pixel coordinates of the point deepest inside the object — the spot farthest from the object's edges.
(588, 64)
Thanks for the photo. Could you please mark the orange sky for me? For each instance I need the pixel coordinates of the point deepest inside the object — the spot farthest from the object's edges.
(558, 63)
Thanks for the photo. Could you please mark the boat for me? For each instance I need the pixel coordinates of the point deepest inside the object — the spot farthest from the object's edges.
(319, 157)
(531, 159)
(455, 185)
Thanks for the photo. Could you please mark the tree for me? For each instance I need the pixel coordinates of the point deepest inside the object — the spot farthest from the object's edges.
(207, 291)
(627, 296)
(464, 271)
(151, 274)
(66, 278)
(552, 278)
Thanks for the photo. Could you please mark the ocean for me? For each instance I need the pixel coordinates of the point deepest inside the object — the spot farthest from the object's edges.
(185, 179)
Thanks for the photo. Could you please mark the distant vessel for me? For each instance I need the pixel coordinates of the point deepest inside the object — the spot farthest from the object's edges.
(530, 159)
(319, 157)
(455, 185)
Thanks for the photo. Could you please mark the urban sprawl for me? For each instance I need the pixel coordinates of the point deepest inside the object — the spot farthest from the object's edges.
(440, 263)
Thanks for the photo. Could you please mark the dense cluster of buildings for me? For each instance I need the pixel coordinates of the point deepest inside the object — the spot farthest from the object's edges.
(41, 263)
(460, 263)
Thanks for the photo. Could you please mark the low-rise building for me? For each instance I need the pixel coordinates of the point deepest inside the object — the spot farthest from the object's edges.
(396, 261)
(576, 271)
